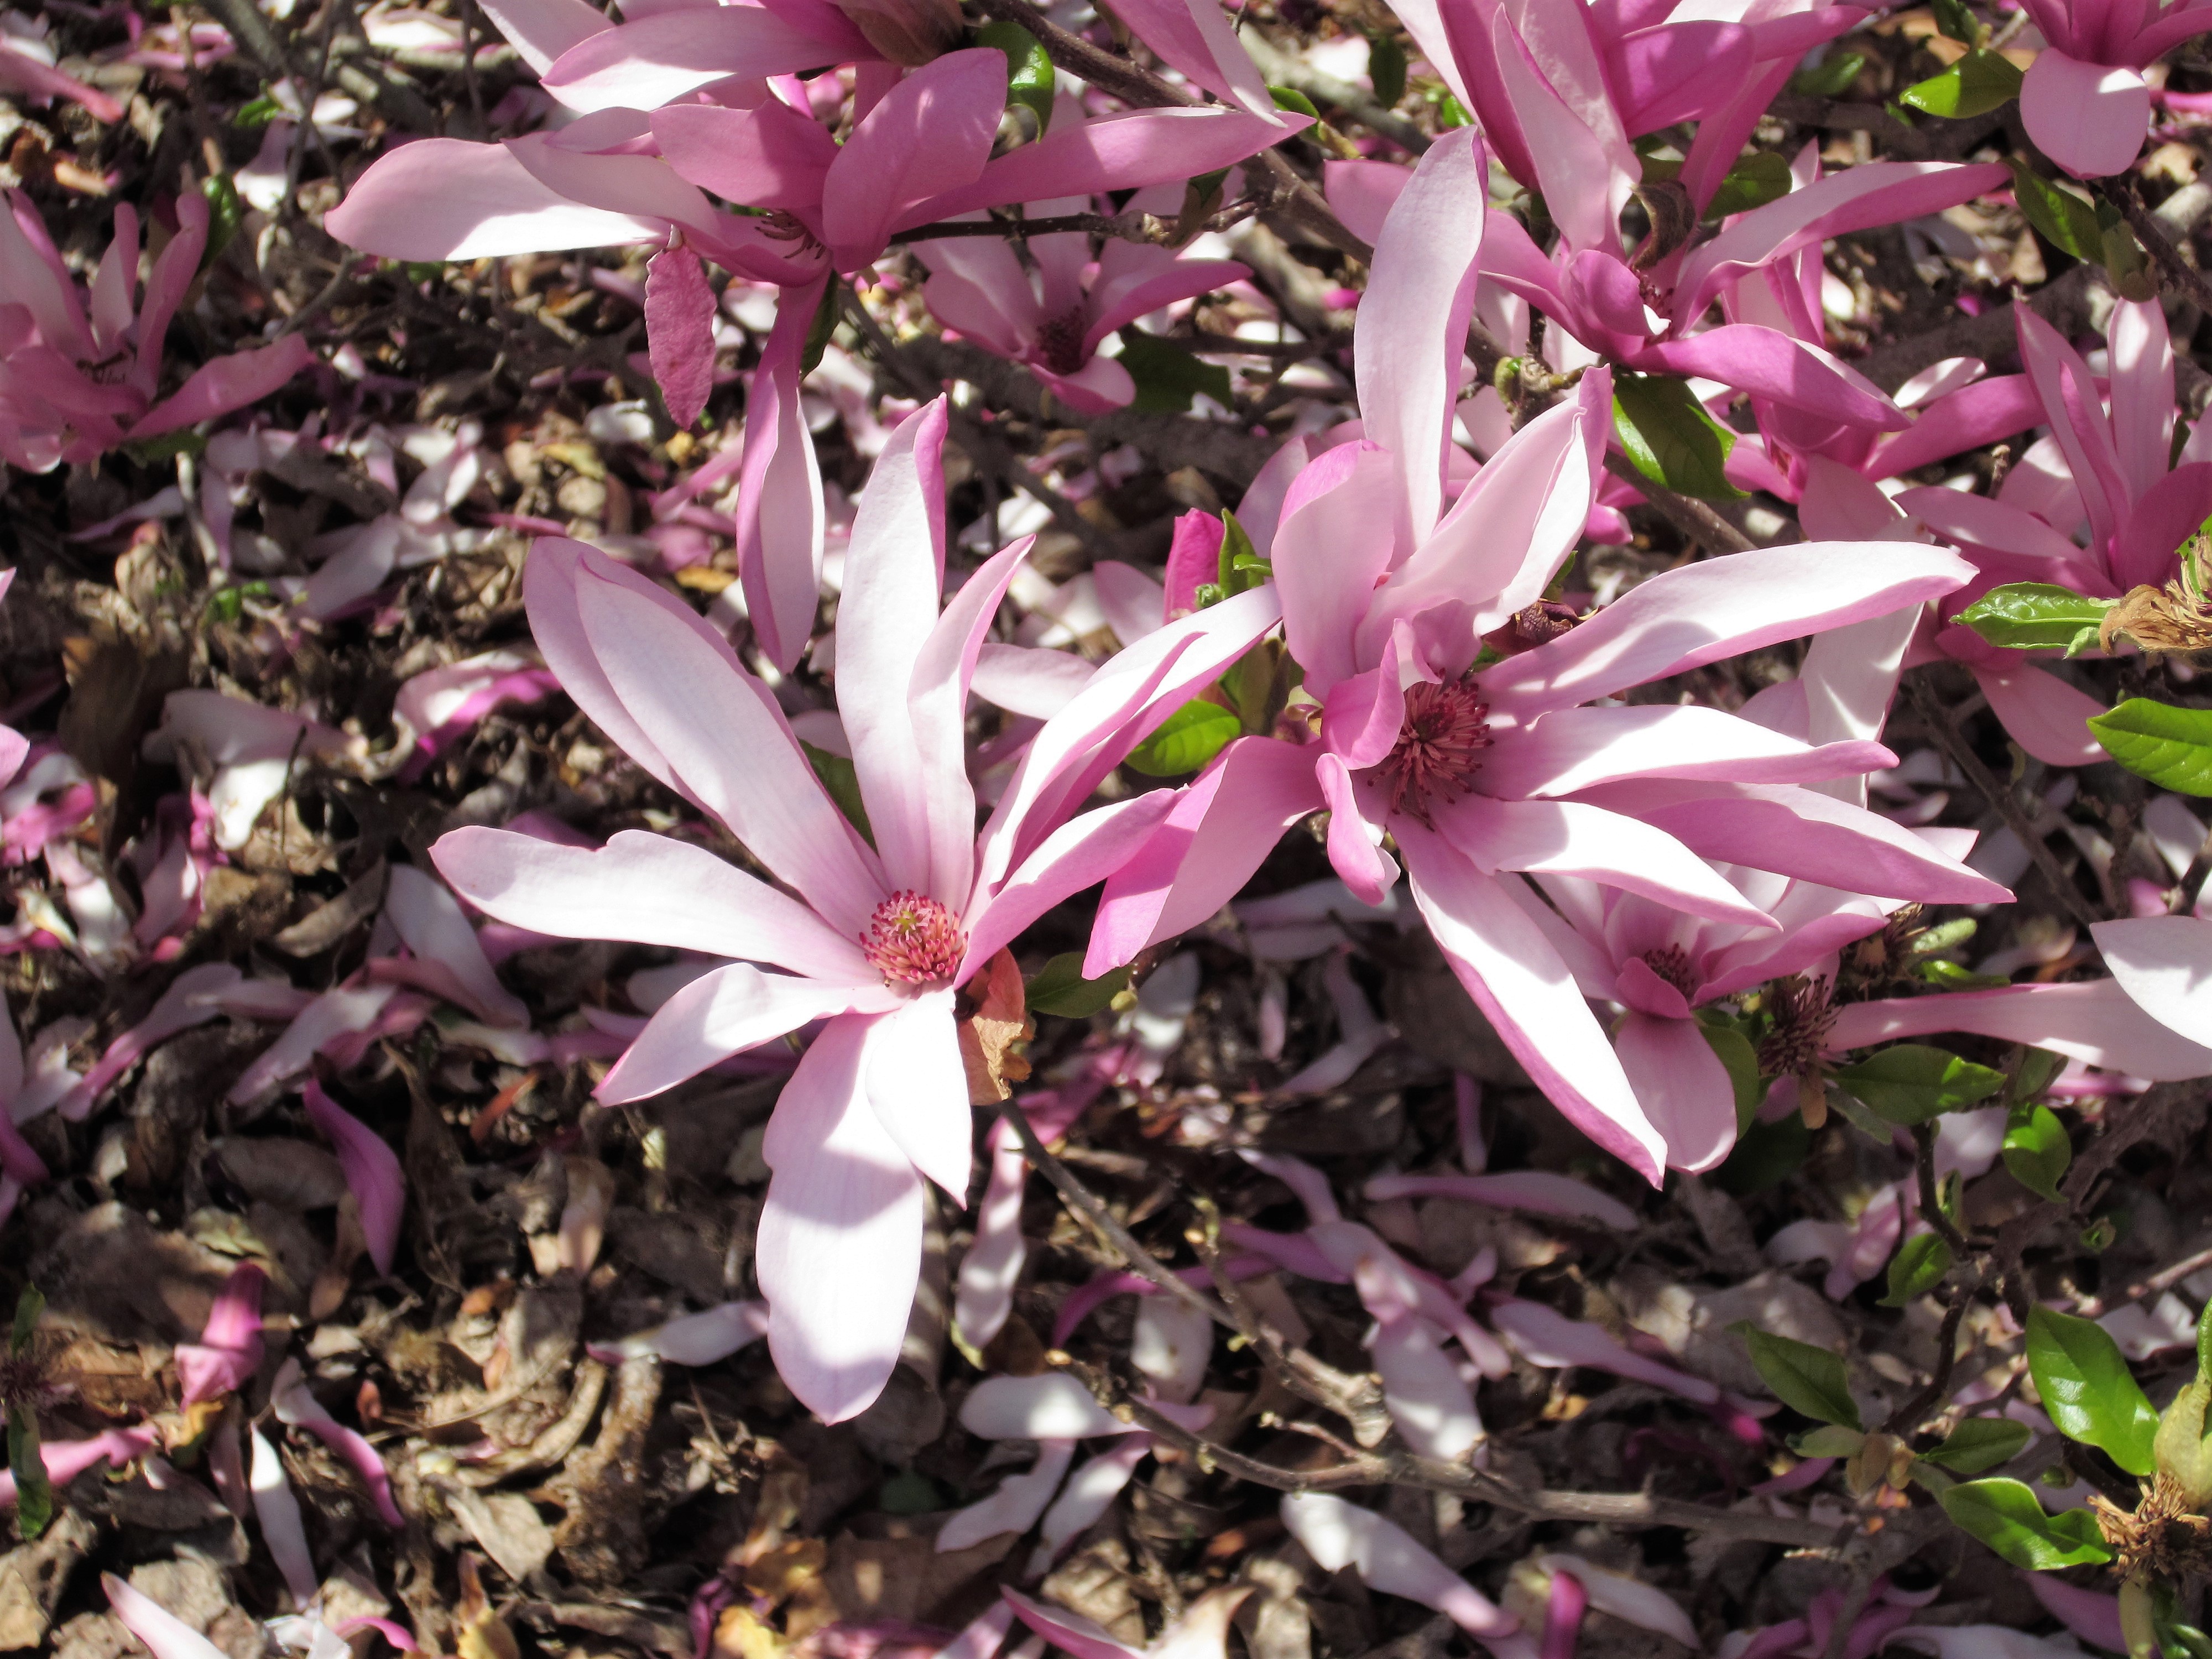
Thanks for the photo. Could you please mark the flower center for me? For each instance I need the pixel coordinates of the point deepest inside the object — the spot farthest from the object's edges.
(912, 939)
(1439, 747)
(1060, 341)
(1672, 963)
(1803, 1016)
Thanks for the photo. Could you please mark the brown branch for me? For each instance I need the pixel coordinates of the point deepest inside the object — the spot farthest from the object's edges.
(1631, 1509)
(1091, 1208)
(1694, 519)
(2163, 253)
(1937, 719)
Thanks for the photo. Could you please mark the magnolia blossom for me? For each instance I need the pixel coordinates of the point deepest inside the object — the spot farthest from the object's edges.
(1054, 319)
(2084, 101)
(1478, 772)
(882, 931)
(79, 372)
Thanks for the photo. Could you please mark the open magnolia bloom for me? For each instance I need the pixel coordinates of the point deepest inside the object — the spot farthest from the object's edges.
(1480, 768)
(79, 372)
(2084, 101)
(875, 933)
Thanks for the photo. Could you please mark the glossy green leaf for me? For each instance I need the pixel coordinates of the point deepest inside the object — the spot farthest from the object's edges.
(1806, 1379)
(2005, 1515)
(1733, 1050)
(2086, 1389)
(842, 785)
(1912, 1083)
(253, 116)
(1450, 112)
(2029, 1074)
(1058, 987)
(1291, 99)
(1978, 83)
(1386, 68)
(2067, 221)
(35, 1494)
(1186, 740)
(1917, 1267)
(1670, 438)
(2036, 1148)
(1831, 77)
(1950, 977)
(2170, 746)
(2033, 616)
(1031, 80)
(1979, 1444)
(1757, 180)
(1167, 376)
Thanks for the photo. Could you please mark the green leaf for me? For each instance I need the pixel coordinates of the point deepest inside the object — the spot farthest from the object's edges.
(2030, 1073)
(253, 116)
(1766, 1155)
(29, 1306)
(2068, 222)
(1978, 83)
(819, 330)
(1912, 1083)
(1917, 1267)
(1956, 22)
(152, 451)
(2033, 616)
(1238, 567)
(1291, 99)
(226, 213)
(1979, 1444)
(1829, 1440)
(1806, 1379)
(2126, 265)
(1167, 376)
(1058, 987)
(1830, 77)
(1670, 438)
(2086, 1389)
(1752, 182)
(1386, 68)
(2036, 1148)
(1450, 112)
(2005, 1515)
(2205, 1343)
(842, 785)
(1031, 80)
(1186, 740)
(1733, 1050)
(35, 1494)
(2170, 746)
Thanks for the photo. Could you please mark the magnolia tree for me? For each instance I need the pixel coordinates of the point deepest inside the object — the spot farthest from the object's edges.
(1694, 517)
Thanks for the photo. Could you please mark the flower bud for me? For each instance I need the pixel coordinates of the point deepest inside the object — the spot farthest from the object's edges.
(907, 32)
(2181, 1448)
(2136, 1623)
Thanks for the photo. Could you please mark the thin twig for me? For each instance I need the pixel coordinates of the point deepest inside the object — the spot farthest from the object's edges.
(2152, 235)
(1087, 1205)
(1693, 518)
(1946, 1356)
(1947, 739)
(1432, 1474)
(1932, 1207)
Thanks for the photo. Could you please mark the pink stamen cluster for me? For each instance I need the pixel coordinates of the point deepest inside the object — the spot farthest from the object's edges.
(1672, 963)
(1439, 747)
(912, 939)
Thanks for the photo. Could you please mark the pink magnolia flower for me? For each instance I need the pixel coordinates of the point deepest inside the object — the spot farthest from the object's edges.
(880, 936)
(2085, 101)
(1053, 315)
(1648, 318)
(1479, 773)
(1338, 1534)
(920, 152)
(1560, 87)
(79, 372)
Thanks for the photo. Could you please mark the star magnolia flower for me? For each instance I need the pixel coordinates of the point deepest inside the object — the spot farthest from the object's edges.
(879, 937)
(2085, 101)
(76, 378)
(1478, 773)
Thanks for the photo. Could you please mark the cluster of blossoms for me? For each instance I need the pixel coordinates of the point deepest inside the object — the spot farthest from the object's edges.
(1645, 804)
